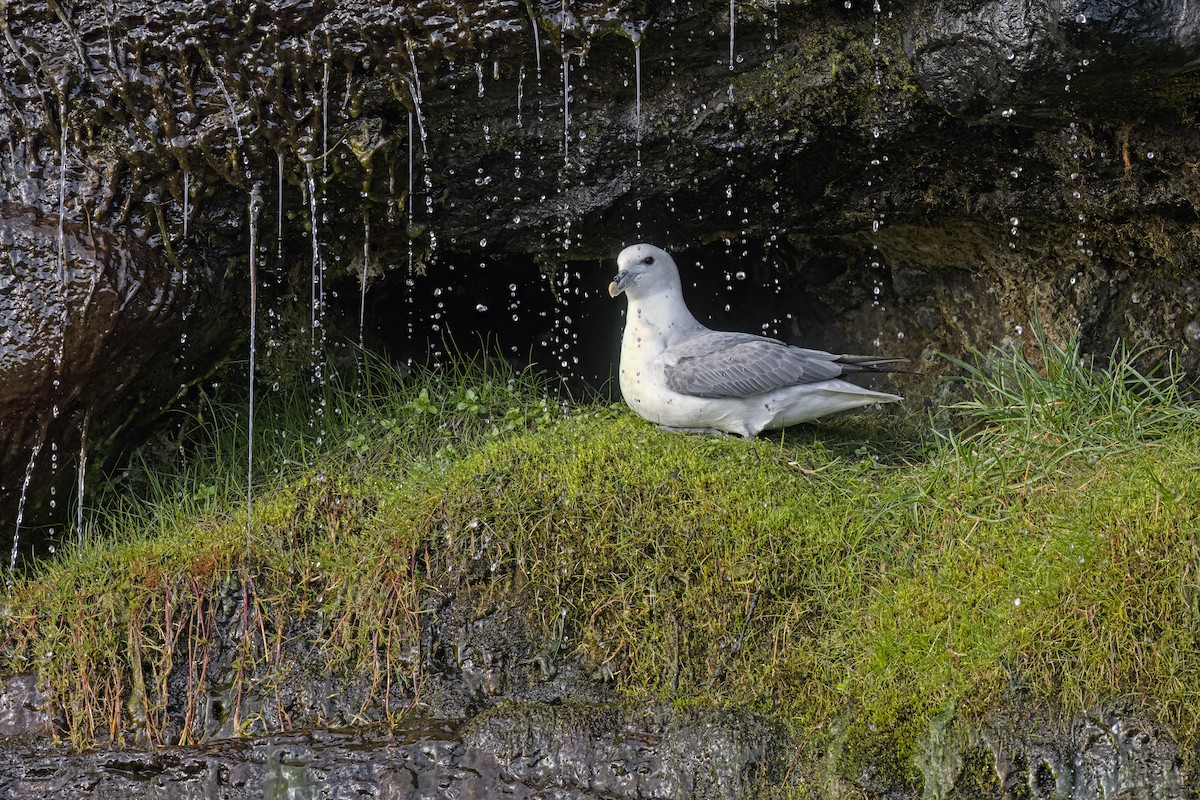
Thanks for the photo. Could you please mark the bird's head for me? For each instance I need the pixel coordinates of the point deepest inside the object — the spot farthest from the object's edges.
(643, 270)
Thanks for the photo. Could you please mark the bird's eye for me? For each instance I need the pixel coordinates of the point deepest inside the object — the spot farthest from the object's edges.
(648, 260)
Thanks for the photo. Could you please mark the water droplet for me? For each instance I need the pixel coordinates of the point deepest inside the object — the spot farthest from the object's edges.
(483, 242)
(1150, 155)
(1081, 19)
(481, 308)
(1014, 221)
(740, 275)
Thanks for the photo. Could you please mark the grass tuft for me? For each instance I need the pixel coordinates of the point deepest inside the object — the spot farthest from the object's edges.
(1069, 402)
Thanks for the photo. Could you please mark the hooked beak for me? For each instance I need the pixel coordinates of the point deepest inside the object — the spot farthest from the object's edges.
(620, 283)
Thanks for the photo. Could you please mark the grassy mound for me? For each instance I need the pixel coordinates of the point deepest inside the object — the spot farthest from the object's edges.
(1046, 546)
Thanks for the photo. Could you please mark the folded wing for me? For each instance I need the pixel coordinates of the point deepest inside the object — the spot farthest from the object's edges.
(719, 364)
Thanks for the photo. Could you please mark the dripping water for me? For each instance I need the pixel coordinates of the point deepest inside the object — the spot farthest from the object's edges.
(566, 78)
(12, 558)
(80, 475)
(314, 267)
(366, 256)
(537, 44)
(325, 123)
(187, 199)
(520, 96)
(732, 19)
(637, 96)
(62, 239)
(875, 171)
(414, 89)
(409, 280)
(319, 263)
(637, 137)
(279, 209)
(254, 206)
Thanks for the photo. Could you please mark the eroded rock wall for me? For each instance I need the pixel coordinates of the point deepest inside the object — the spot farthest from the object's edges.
(913, 177)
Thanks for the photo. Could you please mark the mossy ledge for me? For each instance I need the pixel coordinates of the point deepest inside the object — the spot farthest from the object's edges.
(876, 608)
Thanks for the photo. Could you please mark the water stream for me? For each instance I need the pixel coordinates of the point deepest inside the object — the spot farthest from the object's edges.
(254, 206)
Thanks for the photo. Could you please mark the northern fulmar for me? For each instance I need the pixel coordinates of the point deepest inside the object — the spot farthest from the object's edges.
(684, 376)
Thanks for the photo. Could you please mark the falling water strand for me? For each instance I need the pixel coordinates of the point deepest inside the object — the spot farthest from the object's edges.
(255, 204)
(875, 172)
(325, 123)
(319, 263)
(279, 209)
(520, 94)
(732, 19)
(409, 280)
(414, 89)
(80, 481)
(537, 44)
(62, 239)
(416, 84)
(566, 77)
(315, 297)
(637, 135)
(187, 200)
(12, 558)
(366, 256)
(1078, 150)
(637, 96)
(409, 202)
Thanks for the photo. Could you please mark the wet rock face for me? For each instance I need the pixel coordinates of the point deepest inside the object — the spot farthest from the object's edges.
(929, 177)
(93, 326)
(970, 57)
(519, 752)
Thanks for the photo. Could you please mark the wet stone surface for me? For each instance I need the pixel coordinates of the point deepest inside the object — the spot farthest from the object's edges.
(95, 334)
(520, 752)
(594, 751)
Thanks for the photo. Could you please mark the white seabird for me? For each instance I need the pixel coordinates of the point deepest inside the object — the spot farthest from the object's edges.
(682, 375)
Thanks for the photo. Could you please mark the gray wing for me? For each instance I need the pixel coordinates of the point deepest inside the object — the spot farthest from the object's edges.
(720, 364)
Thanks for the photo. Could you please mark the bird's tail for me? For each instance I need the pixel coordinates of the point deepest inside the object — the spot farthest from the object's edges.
(851, 363)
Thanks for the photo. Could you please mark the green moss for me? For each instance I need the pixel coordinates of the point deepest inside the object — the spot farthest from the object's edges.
(858, 569)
